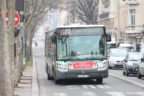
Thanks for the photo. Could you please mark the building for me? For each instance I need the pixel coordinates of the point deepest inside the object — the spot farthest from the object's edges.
(123, 19)
(60, 16)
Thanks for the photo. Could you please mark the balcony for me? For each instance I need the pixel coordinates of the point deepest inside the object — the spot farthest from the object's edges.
(132, 2)
(134, 29)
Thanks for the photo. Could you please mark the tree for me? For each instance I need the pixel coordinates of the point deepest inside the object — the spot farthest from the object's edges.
(86, 10)
(35, 11)
(6, 81)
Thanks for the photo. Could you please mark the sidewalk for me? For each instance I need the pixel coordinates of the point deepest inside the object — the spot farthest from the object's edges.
(24, 87)
(28, 84)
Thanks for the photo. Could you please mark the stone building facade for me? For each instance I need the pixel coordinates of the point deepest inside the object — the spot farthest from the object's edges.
(122, 18)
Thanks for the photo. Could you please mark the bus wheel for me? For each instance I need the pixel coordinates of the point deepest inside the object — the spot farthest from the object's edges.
(123, 73)
(48, 74)
(127, 74)
(139, 75)
(54, 77)
(49, 77)
(100, 80)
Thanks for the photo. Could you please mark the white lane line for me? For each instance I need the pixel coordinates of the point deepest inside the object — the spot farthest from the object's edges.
(127, 80)
(88, 86)
(116, 93)
(85, 86)
(135, 93)
(60, 94)
(100, 86)
(72, 87)
(107, 87)
(88, 94)
(91, 86)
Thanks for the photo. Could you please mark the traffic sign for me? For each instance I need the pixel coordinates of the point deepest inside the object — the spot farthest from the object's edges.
(17, 19)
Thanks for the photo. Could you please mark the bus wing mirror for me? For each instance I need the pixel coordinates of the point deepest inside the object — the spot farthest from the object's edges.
(108, 37)
(54, 39)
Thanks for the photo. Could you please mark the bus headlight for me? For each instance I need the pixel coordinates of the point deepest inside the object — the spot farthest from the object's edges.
(102, 65)
(62, 67)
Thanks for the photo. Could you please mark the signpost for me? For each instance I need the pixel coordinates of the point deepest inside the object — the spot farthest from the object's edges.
(17, 19)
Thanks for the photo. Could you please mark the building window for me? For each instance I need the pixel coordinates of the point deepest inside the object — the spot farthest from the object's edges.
(132, 17)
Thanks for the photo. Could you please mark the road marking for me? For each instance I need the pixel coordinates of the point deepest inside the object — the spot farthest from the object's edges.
(88, 86)
(72, 87)
(104, 86)
(88, 94)
(116, 93)
(127, 80)
(100, 86)
(96, 86)
(60, 94)
(85, 86)
(91, 86)
(135, 93)
(107, 87)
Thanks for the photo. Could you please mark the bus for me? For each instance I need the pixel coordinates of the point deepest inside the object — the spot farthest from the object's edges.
(74, 52)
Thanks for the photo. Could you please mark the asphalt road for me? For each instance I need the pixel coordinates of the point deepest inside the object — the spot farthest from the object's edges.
(111, 87)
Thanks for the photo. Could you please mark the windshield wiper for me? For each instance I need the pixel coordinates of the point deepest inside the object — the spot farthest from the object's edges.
(133, 60)
(95, 58)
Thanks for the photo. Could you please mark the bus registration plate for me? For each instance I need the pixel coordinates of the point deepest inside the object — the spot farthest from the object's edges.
(82, 76)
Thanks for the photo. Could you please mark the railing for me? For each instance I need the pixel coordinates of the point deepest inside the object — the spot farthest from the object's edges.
(134, 29)
(132, 2)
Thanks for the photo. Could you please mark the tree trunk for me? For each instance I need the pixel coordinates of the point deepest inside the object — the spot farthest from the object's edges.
(6, 86)
(11, 11)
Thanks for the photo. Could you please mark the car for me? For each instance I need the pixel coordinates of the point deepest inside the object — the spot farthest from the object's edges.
(116, 57)
(140, 72)
(111, 44)
(129, 47)
(130, 65)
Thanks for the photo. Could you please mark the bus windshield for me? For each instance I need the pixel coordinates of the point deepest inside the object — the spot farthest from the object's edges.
(81, 47)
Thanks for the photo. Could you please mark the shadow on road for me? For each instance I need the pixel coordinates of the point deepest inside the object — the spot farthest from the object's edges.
(79, 82)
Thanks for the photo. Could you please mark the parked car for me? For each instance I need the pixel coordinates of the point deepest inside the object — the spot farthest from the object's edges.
(116, 57)
(130, 65)
(140, 72)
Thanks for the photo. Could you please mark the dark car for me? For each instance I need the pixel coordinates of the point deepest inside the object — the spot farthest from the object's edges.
(140, 72)
(130, 65)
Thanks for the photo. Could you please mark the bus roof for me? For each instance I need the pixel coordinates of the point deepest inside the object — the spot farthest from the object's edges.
(74, 26)
(80, 26)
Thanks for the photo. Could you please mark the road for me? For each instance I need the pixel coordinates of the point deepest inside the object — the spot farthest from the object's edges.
(112, 86)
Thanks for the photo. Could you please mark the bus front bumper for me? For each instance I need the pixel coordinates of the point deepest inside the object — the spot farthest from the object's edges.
(77, 74)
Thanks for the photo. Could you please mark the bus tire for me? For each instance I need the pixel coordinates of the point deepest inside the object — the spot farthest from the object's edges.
(127, 74)
(99, 80)
(139, 75)
(49, 77)
(123, 73)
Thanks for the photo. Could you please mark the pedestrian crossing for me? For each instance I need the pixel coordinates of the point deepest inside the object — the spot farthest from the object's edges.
(90, 93)
(89, 87)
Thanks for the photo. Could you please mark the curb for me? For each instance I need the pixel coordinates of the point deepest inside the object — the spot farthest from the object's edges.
(127, 80)
(35, 89)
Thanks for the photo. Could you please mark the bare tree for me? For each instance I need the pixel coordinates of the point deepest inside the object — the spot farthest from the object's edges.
(35, 11)
(86, 10)
(6, 81)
